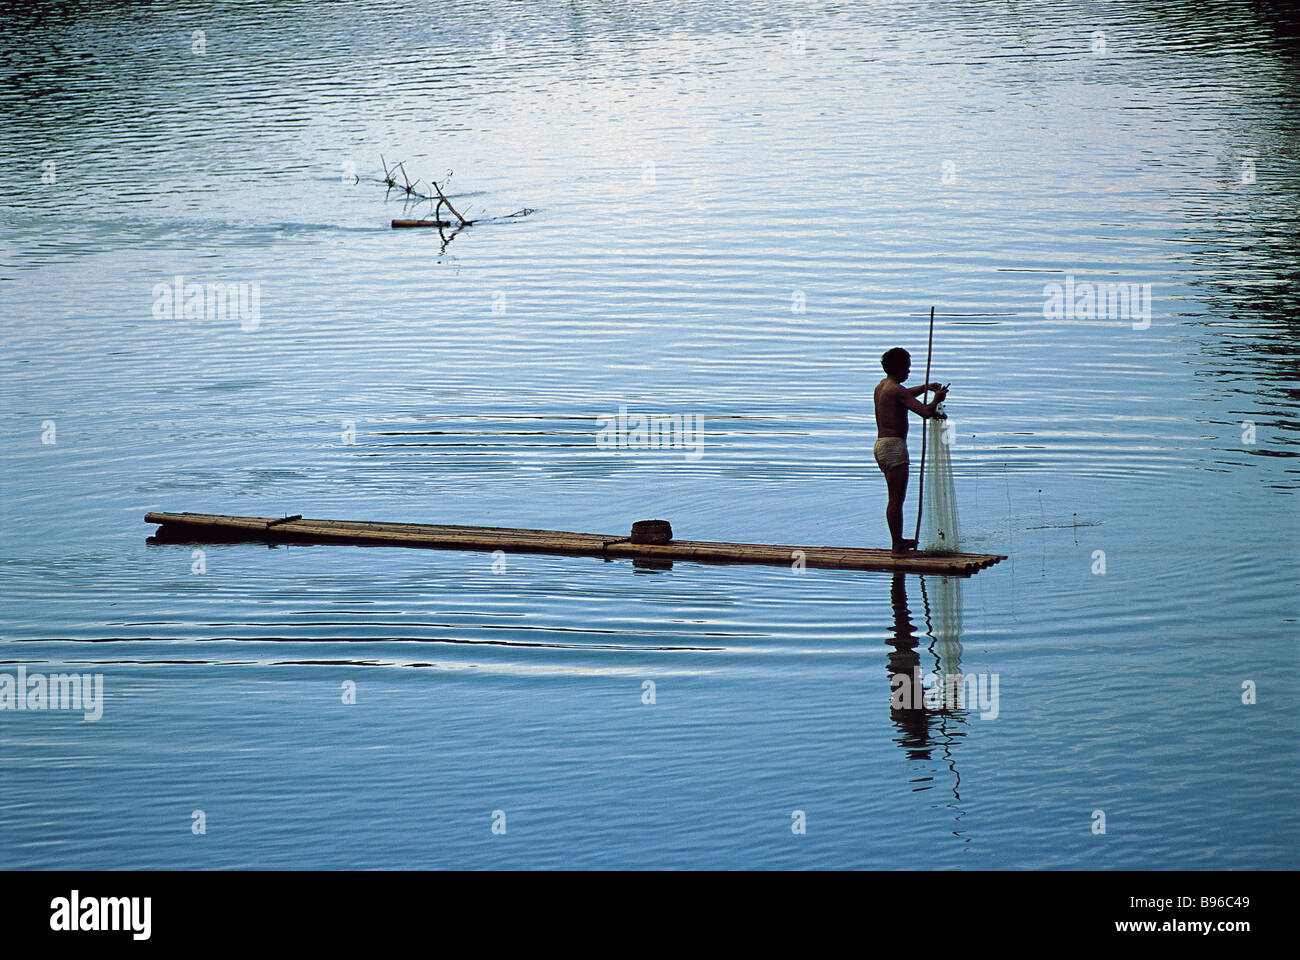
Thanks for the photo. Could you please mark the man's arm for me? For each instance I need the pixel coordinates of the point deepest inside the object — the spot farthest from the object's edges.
(926, 410)
(917, 391)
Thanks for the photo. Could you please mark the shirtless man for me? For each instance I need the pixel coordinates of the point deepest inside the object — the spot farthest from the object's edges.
(893, 400)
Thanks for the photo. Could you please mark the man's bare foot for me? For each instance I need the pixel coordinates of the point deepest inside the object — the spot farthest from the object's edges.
(903, 547)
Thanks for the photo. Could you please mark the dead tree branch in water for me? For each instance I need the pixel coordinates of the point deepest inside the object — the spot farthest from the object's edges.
(442, 199)
(438, 198)
(412, 191)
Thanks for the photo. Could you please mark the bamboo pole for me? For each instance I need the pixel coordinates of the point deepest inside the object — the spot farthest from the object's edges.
(920, 490)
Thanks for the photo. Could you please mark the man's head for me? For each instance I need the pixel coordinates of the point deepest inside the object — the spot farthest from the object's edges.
(897, 363)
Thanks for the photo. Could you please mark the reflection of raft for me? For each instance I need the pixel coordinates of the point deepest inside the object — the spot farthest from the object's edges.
(209, 527)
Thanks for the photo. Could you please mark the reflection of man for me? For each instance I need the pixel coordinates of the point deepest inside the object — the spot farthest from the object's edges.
(893, 401)
(912, 720)
(922, 728)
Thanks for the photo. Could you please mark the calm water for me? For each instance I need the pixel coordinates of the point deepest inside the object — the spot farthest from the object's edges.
(738, 207)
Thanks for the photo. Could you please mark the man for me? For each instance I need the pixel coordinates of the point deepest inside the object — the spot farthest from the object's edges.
(893, 400)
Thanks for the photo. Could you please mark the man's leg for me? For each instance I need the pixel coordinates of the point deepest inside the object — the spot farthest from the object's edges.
(896, 482)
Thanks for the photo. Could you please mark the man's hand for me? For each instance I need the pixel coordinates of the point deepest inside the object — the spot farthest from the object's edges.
(940, 392)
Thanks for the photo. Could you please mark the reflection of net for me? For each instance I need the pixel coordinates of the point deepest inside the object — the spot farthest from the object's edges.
(943, 609)
(939, 510)
(945, 622)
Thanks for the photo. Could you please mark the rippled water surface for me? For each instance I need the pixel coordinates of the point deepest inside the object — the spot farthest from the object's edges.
(736, 209)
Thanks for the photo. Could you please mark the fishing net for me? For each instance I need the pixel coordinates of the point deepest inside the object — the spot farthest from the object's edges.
(939, 499)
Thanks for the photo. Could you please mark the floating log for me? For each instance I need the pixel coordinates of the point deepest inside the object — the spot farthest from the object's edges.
(213, 527)
(423, 223)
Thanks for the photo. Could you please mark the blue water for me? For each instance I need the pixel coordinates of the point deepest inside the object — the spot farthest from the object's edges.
(738, 208)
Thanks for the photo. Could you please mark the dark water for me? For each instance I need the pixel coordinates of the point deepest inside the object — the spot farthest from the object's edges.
(701, 173)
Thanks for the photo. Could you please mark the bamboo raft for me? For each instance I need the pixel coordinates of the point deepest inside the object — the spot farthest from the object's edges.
(212, 527)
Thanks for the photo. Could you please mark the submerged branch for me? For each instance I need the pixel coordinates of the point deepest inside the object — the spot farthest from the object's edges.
(438, 198)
